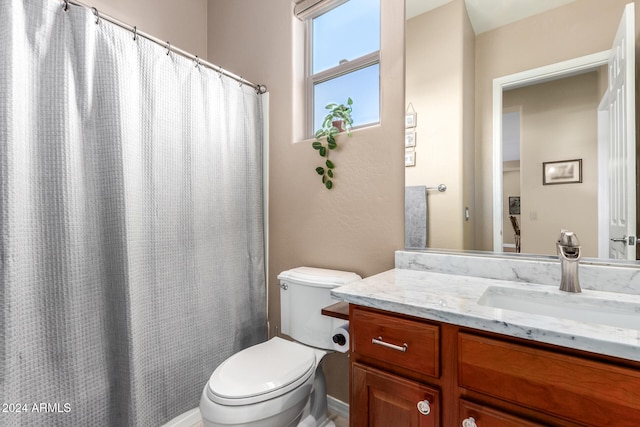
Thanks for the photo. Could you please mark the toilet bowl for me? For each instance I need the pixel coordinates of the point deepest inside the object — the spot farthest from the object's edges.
(267, 385)
(280, 383)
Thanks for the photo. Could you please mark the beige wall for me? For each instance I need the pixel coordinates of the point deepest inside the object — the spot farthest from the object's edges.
(357, 225)
(439, 86)
(540, 40)
(182, 23)
(468, 136)
(558, 122)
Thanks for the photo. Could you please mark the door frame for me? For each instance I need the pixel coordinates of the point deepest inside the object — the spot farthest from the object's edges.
(543, 74)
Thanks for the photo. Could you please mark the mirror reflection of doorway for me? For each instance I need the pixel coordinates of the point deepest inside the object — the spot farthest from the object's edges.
(552, 121)
(511, 178)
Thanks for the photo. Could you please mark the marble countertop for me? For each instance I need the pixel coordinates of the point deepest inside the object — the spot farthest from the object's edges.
(453, 299)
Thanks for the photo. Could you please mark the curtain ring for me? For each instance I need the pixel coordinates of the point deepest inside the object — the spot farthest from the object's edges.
(220, 72)
(241, 81)
(135, 33)
(168, 48)
(97, 14)
(65, 7)
(197, 60)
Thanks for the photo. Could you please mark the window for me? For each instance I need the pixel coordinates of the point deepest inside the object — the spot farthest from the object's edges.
(343, 60)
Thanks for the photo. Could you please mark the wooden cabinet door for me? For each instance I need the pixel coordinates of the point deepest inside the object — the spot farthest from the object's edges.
(381, 399)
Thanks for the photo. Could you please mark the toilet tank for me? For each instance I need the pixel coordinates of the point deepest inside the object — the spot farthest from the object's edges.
(304, 292)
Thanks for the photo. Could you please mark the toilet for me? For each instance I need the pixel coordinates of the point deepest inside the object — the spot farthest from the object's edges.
(279, 383)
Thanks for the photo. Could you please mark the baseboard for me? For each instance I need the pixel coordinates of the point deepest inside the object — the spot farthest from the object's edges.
(338, 407)
(190, 418)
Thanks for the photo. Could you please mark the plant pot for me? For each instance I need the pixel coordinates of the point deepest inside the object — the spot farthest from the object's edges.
(338, 124)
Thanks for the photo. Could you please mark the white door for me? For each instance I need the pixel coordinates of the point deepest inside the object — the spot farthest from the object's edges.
(619, 108)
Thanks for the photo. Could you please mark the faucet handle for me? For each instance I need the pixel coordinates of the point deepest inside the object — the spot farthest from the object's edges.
(568, 238)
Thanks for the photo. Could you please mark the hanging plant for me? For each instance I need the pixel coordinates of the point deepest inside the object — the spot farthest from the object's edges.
(337, 120)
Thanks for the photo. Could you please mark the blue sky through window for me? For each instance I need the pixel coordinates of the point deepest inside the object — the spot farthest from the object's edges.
(346, 32)
(361, 85)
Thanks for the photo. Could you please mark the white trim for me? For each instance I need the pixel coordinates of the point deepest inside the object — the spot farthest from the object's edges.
(558, 70)
(308, 85)
(338, 407)
(190, 418)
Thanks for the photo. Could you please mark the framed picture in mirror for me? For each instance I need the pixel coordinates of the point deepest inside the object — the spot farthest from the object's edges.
(562, 172)
(514, 205)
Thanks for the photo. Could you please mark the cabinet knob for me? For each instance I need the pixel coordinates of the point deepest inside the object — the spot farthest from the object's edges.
(469, 422)
(424, 407)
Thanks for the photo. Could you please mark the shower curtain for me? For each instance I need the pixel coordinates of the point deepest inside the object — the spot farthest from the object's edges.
(131, 249)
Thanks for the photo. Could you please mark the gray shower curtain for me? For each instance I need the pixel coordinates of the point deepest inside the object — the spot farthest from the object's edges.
(132, 253)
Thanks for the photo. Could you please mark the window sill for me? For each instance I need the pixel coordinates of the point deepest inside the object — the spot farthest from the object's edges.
(354, 131)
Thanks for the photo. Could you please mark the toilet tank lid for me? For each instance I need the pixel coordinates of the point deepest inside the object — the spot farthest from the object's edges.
(320, 277)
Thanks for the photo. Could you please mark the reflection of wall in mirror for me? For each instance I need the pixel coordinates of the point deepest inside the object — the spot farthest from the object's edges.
(439, 91)
(530, 43)
(440, 44)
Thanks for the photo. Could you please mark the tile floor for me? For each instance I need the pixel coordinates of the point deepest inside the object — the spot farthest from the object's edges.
(339, 421)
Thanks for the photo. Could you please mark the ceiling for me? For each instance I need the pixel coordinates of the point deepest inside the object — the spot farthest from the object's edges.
(486, 15)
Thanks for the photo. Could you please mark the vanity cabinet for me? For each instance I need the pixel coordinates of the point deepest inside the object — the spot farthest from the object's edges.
(379, 396)
(472, 378)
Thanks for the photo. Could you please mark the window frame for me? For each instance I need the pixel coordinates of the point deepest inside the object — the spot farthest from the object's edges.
(329, 74)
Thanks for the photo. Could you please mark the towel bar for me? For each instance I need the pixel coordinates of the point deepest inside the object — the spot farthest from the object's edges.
(441, 188)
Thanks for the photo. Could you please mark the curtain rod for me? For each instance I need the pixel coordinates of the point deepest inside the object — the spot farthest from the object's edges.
(259, 88)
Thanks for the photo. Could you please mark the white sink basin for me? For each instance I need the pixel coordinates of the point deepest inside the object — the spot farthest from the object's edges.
(581, 307)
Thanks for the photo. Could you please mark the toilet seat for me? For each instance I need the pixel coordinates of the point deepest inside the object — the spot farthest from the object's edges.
(261, 372)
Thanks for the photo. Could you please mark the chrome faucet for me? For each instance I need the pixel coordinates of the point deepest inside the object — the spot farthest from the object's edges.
(569, 253)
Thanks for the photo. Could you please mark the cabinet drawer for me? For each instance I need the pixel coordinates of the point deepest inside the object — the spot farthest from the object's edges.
(407, 343)
(484, 416)
(575, 388)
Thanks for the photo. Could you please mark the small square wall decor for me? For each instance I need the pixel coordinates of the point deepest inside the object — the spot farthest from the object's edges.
(409, 138)
(410, 120)
(409, 158)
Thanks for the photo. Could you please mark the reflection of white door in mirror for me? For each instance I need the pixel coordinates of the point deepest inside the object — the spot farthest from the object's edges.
(618, 138)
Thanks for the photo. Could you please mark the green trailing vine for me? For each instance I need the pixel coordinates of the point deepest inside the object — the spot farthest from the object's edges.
(325, 137)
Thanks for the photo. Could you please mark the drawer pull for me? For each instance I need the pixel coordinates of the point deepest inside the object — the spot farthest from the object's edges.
(469, 422)
(424, 407)
(379, 341)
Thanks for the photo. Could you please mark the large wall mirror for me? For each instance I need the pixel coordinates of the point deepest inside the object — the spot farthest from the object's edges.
(509, 105)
